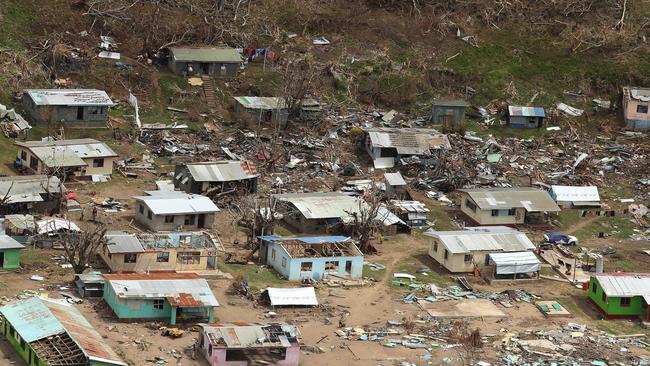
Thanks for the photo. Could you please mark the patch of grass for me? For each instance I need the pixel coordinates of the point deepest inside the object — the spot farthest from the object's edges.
(620, 227)
(16, 21)
(440, 216)
(377, 274)
(568, 218)
(34, 258)
(257, 277)
(620, 327)
(411, 264)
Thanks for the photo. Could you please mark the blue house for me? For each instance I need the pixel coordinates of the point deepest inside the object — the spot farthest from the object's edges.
(525, 117)
(315, 257)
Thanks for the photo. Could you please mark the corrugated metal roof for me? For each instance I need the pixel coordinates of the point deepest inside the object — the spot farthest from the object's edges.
(450, 103)
(576, 194)
(265, 103)
(171, 203)
(7, 242)
(162, 285)
(21, 222)
(395, 179)
(408, 141)
(519, 258)
(251, 335)
(303, 296)
(469, 241)
(52, 225)
(307, 239)
(205, 54)
(532, 199)
(67, 153)
(625, 285)
(123, 242)
(518, 111)
(410, 206)
(38, 318)
(222, 171)
(70, 97)
(184, 301)
(28, 188)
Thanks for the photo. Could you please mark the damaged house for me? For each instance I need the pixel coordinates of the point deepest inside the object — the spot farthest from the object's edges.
(53, 332)
(162, 295)
(173, 211)
(572, 196)
(635, 108)
(525, 117)
(389, 146)
(264, 109)
(204, 61)
(323, 211)
(413, 213)
(241, 344)
(449, 113)
(30, 193)
(508, 250)
(507, 206)
(174, 251)
(78, 158)
(216, 177)
(71, 107)
(312, 257)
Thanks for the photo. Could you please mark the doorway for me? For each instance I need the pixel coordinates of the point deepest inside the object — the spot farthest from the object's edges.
(2, 259)
(201, 223)
(80, 113)
(205, 68)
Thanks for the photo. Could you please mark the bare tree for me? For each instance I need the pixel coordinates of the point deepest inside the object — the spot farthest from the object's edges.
(80, 247)
(259, 216)
(299, 80)
(365, 219)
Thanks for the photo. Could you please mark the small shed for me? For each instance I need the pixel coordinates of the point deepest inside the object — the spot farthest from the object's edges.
(448, 112)
(395, 184)
(525, 117)
(635, 108)
(413, 213)
(264, 109)
(204, 61)
(216, 176)
(90, 284)
(9, 252)
(509, 265)
(573, 196)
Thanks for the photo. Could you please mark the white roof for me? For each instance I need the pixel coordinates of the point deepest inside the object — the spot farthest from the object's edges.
(7, 242)
(395, 179)
(576, 194)
(532, 199)
(64, 153)
(305, 296)
(53, 225)
(468, 241)
(69, 97)
(222, 171)
(28, 188)
(625, 285)
(264, 103)
(410, 206)
(176, 203)
(518, 262)
(408, 141)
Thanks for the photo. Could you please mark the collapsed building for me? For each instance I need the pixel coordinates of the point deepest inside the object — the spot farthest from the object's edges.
(635, 108)
(174, 251)
(30, 194)
(240, 344)
(312, 257)
(389, 146)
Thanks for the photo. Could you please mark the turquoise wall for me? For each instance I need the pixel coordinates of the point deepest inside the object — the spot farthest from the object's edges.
(291, 268)
(134, 308)
(12, 259)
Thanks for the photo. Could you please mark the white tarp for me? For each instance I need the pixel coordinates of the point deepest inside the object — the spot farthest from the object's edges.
(52, 226)
(134, 102)
(516, 262)
(303, 296)
(575, 194)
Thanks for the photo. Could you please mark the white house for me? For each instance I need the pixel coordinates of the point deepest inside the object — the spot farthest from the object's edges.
(173, 210)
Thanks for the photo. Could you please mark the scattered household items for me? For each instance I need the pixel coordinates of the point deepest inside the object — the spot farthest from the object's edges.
(573, 196)
(204, 61)
(507, 206)
(170, 211)
(71, 107)
(216, 177)
(172, 296)
(173, 251)
(12, 123)
(55, 333)
(635, 108)
(78, 158)
(390, 146)
(525, 117)
(273, 344)
(312, 257)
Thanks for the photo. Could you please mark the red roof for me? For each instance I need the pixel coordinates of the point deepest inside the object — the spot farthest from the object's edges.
(152, 276)
(184, 300)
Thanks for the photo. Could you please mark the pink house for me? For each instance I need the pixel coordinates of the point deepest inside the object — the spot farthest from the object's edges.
(243, 344)
(635, 108)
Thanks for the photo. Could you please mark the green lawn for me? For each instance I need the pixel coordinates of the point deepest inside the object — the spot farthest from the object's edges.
(15, 23)
(568, 218)
(619, 227)
(410, 265)
(257, 277)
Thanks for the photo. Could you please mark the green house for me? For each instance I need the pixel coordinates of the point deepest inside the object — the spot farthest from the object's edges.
(9, 252)
(623, 295)
(47, 332)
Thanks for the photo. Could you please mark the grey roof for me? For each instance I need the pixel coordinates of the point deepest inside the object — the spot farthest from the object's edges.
(395, 179)
(532, 199)
(450, 103)
(28, 188)
(625, 285)
(641, 94)
(205, 54)
(408, 141)
(251, 335)
(67, 153)
(409, 206)
(21, 222)
(69, 97)
(222, 171)
(264, 103)
(467, 241)
(7, 242)
(91, 277)
(176, 203)
(123, 242)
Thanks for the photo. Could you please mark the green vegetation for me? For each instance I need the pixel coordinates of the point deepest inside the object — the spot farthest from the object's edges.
(568, 218)
(34, 258)
(15, 23)
(440, 216)
(420, 258)
(377, 274)
(620, 227)
(257, 277)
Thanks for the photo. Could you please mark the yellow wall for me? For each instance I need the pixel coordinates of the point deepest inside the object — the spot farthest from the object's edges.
(147, 261)
(106, 169)
(484, 217)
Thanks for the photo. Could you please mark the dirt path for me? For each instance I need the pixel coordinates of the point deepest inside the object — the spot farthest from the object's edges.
(581, 224)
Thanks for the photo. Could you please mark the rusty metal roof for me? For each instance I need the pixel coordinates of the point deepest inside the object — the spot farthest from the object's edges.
(152, 276)
(184, 301)
(251, 335)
